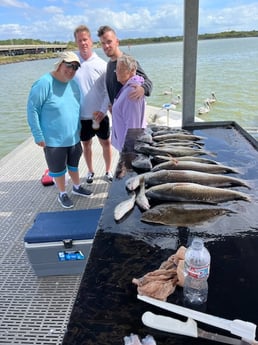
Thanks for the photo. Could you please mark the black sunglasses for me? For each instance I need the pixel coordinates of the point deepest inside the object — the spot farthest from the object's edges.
(71, 65)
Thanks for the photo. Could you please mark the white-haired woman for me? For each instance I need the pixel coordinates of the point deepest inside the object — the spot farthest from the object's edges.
(126, 112)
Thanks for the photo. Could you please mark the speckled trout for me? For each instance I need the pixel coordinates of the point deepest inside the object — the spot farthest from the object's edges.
(178, 136)
(176, 151)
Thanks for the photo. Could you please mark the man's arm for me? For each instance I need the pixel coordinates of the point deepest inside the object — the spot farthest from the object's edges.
(147, 85)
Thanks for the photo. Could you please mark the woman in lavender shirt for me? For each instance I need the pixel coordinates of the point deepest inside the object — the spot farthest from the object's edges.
(126, 112)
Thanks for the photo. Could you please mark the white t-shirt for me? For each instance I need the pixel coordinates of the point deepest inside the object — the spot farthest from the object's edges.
(91, 79)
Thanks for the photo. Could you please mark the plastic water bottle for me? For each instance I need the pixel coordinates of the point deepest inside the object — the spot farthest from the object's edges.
(196, 269)
(95, 124)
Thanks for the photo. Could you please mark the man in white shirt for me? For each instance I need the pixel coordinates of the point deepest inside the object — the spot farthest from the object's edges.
(94, 102)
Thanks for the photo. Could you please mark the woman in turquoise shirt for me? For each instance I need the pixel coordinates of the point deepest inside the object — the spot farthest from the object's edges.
(53, 112)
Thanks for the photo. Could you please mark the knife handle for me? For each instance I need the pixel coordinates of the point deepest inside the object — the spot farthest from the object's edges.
(168, 324)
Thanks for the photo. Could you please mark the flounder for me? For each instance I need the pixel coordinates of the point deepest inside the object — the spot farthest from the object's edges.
(182, 214)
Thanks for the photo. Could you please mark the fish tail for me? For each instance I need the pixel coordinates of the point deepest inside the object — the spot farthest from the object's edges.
(212, 154)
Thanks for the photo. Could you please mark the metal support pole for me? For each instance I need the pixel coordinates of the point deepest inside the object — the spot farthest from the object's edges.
(191, 10)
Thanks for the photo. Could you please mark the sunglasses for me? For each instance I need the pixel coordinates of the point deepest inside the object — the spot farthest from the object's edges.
(71, 65)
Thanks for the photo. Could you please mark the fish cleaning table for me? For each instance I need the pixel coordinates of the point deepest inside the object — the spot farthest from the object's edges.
(107, 309)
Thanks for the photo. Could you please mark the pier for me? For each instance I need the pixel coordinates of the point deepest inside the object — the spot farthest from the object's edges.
(22, 49)
(36, 310)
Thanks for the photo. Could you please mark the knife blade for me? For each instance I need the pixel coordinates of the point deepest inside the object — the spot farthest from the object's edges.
(188, 328)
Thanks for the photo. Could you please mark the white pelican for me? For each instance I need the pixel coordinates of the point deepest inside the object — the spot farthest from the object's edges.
(205, 108)
(212, 98)
(168, 92)
(176, 100)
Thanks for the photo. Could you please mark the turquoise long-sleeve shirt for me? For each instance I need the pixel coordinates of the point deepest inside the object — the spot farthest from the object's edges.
(53, 111)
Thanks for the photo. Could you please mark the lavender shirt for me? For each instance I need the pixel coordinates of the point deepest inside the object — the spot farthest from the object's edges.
(127, 113)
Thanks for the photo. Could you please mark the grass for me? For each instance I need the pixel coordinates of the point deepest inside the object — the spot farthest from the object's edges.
(26, 57)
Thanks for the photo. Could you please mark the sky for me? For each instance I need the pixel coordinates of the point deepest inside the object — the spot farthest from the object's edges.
(55, 20)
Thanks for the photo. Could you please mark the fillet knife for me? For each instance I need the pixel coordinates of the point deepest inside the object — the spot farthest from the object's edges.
(188, 328)
(243, 329)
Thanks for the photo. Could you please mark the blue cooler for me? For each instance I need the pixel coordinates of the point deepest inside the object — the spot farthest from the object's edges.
(59, 243)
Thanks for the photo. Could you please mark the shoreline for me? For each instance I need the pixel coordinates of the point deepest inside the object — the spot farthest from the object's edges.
(6, 60)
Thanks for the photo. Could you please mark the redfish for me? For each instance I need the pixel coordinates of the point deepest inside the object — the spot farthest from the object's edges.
(187, 192)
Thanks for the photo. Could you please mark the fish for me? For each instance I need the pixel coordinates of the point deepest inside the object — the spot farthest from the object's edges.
(172, 176)
(178, 136)
(160, 159)
(124, 207)
(142, 162)
(196, 166)
(207, 179)
(197, 159)
(183, 214)
(132, 183)
(186, 143)
(186, 192)
(145, 138)
(158, 130)
(176, 151)
(141, 199)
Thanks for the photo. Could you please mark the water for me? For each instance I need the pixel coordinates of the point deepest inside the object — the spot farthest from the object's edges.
(227, 67)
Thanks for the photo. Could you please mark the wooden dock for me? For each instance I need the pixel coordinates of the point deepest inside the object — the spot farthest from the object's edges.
(36, 310)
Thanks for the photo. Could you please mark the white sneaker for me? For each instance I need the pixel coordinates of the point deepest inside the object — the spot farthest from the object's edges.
(89, 177)
(109, 177)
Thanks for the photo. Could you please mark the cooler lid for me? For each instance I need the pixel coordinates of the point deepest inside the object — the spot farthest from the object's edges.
(62, 225)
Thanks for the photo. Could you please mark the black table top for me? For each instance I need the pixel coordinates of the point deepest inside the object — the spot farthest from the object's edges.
(107, 309)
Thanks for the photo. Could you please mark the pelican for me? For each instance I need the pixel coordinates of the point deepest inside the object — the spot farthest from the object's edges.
(212, 98)
(168, 92)
(176, 100)
(205, 108)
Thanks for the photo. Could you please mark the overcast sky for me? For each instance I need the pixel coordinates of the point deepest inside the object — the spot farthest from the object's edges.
(55, 20)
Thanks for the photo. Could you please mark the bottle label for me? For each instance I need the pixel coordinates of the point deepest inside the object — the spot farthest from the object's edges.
(199, 272)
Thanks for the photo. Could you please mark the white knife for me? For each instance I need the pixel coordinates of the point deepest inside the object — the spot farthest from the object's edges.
(242, 329)
(188, 328)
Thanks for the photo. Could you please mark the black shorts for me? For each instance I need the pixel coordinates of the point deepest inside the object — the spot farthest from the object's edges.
(87, 132)
(60, 158)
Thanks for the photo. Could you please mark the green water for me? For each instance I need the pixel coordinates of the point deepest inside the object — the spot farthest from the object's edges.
(227, 67)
